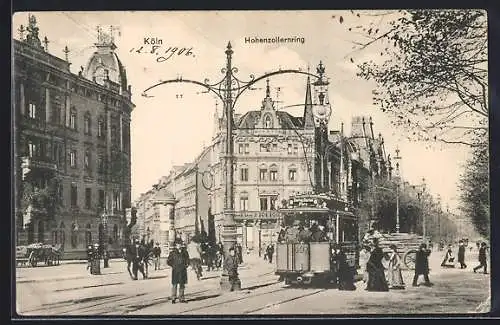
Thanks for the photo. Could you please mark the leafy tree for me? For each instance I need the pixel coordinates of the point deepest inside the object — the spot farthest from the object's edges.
(474, 188)
(431, 74)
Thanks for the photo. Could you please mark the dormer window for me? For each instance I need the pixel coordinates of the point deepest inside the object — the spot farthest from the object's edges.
(268, 122)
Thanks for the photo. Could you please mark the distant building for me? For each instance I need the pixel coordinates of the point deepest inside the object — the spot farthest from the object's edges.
(72, 146)
(277, 155)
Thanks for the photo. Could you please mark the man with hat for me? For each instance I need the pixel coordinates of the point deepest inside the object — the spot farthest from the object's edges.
(137, 259)
(156, 255)
(178, 260)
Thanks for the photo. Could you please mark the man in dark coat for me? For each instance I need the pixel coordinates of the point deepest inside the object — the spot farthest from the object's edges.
(482, 259)
(270, 252)
(231, 265)
(345, 272)
(239, 253)
(178, 260)
(156, 255)
(422, 265)
(137, 254)
(461, 255)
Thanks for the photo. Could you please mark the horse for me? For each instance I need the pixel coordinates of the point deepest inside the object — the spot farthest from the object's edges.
(145, 257)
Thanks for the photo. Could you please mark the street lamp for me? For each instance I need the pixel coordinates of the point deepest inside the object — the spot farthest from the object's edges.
(228, 90)
(420, 195)
(398, 178)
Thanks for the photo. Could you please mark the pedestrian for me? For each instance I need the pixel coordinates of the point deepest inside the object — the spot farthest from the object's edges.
(240, 253)
(231, 265)
(89, 256)
(395, 278)
(422, 265)
(105, 257)
(137, 255)
(156, 255)
(270, 252)
(194, 252)
(345, 274)
(375, 268)
(482, 258)
(461, 254)
(178, 260)
(364, 256)
(448, 260)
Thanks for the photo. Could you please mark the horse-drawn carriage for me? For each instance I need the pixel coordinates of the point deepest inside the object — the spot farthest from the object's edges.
(407, 246)
(36, 253)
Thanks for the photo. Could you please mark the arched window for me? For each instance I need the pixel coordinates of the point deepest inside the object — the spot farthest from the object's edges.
(268, 122)
(262, 172)
(273, 173)
(88, 235)
(292, 173)
(62, 235)
(74, 235)
(41, 232)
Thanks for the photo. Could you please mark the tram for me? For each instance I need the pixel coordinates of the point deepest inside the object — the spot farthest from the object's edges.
(309, 261)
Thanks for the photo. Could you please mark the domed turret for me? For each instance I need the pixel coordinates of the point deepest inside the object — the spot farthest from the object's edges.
(104, 65)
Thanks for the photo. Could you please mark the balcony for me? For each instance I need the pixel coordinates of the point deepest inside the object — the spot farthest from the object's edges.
(257, 215)
(38, 163)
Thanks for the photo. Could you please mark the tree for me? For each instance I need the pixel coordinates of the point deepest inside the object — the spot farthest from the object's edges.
(474, 188)
(431, 74)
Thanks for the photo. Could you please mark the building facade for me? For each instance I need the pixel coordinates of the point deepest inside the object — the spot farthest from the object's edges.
(277, 155)
(72, 146)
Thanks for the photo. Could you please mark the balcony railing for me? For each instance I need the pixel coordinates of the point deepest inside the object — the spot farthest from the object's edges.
(38, 162)
(257, 215)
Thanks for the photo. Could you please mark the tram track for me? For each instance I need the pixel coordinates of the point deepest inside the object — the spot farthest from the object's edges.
(115, 302)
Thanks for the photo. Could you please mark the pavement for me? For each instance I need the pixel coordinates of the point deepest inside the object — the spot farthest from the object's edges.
(70, 290)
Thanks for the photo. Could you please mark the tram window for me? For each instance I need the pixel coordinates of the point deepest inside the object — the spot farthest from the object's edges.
(348, 231)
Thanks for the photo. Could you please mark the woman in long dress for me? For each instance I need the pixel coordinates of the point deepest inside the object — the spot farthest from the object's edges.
(395, 278)
(375, 268)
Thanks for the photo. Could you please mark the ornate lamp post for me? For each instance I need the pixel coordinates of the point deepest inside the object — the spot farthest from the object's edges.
(228, 90)
(398, 179)
(420, 195)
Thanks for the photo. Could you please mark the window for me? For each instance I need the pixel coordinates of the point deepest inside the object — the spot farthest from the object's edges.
(32, 110)
(268, 122)
(263, 204)
(100, 128)
(292, 174)
(241, 148)
(264, 147)
(60, 193)
(244, 203)
(273, 200)
(86, 124)
(116, 201)
(101, 199)
(72, 158)
(273, 173)
(86, 159)
(74, 195)
(32, 150)
(295, 150)
(100, 164)
(290, 148)
(88, 198)
(275, 147)
(115, 233)
(244, 174)
(247, 148)
(263, 174)
(72, 120)
(62, 234)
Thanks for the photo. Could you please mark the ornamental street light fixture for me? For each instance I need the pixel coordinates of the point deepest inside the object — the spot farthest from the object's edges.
(420, 195)
(228, 90)
(398, 179)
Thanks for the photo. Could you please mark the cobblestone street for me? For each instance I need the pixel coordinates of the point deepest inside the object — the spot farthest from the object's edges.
(69, 290)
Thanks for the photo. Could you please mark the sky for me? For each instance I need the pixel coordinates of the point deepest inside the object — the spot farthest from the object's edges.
(169, 129)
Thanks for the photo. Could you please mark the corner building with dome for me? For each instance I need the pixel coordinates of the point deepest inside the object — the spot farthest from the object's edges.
(72, 146)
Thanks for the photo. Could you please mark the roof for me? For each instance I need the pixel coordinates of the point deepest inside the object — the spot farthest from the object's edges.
(287, 121)
(163, 195)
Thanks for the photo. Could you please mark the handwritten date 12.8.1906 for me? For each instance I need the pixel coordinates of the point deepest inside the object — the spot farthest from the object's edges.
(164, 53)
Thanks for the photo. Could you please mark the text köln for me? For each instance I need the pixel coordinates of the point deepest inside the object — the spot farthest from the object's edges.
(154, 46)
